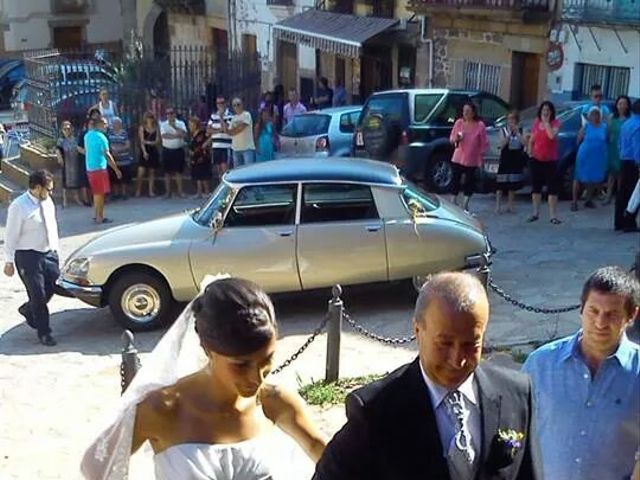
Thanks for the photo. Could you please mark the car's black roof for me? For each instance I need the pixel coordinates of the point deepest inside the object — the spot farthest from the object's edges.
(327, 169)
(442, 91)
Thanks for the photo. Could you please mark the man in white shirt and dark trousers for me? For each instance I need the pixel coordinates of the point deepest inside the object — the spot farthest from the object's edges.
(219, 141)
(31, 247)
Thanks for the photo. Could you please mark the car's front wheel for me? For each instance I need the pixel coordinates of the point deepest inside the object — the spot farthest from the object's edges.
(141, 301)
(439, 173)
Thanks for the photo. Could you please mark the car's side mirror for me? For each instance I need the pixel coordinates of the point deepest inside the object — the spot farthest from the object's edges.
(217, 221)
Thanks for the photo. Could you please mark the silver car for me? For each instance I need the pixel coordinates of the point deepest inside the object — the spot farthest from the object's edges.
(321, 133)
(288, 229)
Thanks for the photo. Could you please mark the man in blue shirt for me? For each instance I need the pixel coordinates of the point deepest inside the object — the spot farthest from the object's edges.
(587, 386)
(98, 158)
(596, 101)
(629, 166)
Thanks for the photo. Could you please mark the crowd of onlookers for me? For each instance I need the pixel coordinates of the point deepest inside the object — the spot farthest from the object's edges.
(607, 160)
(207, 143)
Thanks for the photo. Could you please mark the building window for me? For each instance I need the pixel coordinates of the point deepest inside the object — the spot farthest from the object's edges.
(482, 76)
(614, 80)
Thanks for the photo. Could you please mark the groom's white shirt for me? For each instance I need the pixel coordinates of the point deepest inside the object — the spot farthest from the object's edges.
(446, 427)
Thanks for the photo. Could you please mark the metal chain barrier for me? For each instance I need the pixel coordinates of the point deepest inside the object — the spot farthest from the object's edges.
(508, 298)
(304, 346)
(374, 336)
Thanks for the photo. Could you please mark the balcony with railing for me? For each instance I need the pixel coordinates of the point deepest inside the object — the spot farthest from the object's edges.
(191, 7)
(613, 12)
(69, 6)
(280, 3)
(496, 5)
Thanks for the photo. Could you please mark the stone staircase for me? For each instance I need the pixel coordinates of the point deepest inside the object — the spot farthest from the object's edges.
(15, 171)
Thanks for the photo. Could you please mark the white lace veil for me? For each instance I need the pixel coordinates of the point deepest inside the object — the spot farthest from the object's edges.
(177, 354)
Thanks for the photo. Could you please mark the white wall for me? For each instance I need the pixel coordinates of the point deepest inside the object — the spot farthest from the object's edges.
(256, 18)
(585, 50)
(29, 26)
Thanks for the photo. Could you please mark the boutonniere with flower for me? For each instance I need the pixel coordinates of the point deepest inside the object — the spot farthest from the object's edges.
(506, 445)
(511, 441)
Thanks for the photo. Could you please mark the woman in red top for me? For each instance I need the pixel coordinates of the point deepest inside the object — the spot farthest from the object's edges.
(543, 148)
(469, 136)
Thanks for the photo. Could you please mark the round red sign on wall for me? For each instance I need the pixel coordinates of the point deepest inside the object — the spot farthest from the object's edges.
(554, 56)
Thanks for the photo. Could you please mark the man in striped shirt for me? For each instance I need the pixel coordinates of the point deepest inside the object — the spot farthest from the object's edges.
(219, 141)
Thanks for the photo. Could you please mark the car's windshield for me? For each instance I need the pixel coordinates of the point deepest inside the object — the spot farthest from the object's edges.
(307, 125)
(217, 203)
(417, 200)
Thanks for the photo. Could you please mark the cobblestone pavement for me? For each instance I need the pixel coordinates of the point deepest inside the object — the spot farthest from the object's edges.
(51, 399)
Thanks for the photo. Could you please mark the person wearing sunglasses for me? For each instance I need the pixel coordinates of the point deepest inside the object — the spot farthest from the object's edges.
(596, 97)
(31, 248)
(241, 131)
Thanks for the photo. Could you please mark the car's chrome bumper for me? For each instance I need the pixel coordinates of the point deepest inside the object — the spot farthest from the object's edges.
(88, 294)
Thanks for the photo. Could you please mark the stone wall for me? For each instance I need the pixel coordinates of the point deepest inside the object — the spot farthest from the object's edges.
(456, 40)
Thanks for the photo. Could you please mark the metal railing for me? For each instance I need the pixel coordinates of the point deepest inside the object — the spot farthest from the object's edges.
(64, 85)
(282, 3)
(621, 12)
(333, 322)
(538, 5)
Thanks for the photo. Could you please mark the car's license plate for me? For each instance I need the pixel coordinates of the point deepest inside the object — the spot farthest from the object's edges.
(492, 167)
(359, 139)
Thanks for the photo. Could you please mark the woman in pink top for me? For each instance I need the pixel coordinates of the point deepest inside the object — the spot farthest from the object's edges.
(543, 148)
(469, 136)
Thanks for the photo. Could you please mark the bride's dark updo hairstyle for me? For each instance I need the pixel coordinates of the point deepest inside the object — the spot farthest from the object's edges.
(234, 317)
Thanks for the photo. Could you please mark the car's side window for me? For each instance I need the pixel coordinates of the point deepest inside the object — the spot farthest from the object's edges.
(263, 205)
(450, 110)
(336, 202)
(491, 109)
(348, 122)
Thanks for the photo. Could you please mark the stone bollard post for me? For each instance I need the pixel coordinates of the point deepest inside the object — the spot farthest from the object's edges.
(130, 362)
(334, 330)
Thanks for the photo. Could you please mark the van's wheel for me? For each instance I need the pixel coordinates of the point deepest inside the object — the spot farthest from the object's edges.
(438, 176)
(141, 301)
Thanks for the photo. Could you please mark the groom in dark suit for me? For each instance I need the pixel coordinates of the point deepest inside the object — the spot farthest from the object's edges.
(445, 416)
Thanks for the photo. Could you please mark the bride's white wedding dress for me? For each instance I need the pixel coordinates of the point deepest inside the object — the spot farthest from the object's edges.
(270, 456)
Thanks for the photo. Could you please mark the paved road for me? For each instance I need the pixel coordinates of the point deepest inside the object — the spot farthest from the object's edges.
(52, 399)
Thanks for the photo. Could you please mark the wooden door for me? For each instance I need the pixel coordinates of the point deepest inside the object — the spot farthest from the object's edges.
(525, 70)
(68, 38)
(288, 65)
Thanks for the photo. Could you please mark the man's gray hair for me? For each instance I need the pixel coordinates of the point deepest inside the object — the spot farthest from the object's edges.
(461, 291)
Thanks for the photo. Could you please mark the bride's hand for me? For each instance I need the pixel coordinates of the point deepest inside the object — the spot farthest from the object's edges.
(290, 413)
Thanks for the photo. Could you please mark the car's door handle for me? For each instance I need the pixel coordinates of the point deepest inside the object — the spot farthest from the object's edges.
(373, 228)
(285, 233)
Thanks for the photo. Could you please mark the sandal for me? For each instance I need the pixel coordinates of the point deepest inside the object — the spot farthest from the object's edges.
(556, 221)
(533, 218)
(574, 207)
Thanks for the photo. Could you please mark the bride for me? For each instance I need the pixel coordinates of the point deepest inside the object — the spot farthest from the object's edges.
(220, 421)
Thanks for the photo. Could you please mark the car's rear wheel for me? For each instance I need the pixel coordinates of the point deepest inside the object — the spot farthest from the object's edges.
(141, 301)
(439, 173)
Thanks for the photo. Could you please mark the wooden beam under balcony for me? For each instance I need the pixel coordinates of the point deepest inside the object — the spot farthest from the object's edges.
(191, 7)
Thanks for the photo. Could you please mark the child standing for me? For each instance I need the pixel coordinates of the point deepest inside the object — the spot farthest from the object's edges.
(512, 162)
